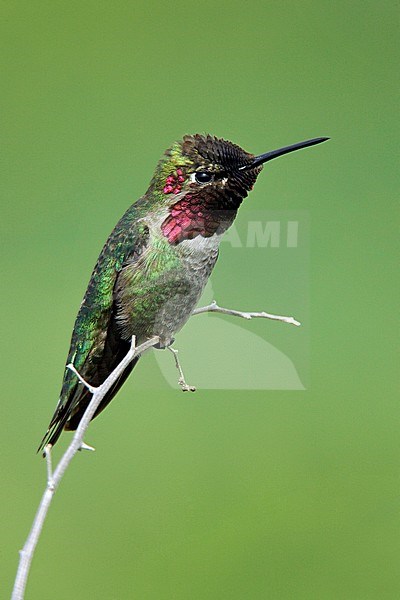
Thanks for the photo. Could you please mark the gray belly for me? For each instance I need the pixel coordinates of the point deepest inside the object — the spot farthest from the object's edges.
(186, 291)
(162, 305)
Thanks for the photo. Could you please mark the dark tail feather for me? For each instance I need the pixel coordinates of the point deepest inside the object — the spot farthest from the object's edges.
(54, 431)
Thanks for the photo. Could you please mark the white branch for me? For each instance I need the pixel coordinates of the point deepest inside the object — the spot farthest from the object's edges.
(87, 385)
(213, 307)
(77, 443)
(53, 479)
(47, 453)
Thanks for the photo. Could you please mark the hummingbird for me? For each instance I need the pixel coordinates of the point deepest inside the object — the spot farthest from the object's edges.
(156, 262)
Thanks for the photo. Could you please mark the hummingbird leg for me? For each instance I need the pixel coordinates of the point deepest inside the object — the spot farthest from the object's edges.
(185, 387)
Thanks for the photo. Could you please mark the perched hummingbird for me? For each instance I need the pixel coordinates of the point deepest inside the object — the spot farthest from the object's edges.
(154, 266)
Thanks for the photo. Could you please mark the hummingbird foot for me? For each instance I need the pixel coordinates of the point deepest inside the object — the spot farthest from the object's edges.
(186, 387)
(161, 345)
(181, 381)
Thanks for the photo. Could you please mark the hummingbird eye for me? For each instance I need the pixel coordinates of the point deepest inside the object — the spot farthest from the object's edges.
(203, 177)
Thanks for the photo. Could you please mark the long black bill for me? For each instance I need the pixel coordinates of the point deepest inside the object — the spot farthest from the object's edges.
(259, 160)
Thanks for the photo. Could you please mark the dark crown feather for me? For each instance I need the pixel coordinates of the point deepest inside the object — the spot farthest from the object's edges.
(214, 150)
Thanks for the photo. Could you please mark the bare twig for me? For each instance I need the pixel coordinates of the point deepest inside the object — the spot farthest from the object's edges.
(77, 443)
(213, 307)
(86, 447)
(47, 453)
(185, 387)
(91, 388)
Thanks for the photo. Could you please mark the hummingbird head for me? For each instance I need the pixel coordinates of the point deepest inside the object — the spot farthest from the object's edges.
(203, 180)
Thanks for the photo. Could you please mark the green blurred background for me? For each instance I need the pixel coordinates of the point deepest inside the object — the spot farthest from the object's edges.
(226, 494)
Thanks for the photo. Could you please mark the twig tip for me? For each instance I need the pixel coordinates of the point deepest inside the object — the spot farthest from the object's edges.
(87, 447)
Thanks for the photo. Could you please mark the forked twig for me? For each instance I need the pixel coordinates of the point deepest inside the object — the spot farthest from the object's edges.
(77, 443)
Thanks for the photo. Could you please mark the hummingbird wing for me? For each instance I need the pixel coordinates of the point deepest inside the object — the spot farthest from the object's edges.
(97, 346)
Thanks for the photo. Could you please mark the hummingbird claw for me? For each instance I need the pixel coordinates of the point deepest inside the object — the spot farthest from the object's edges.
(186, 387)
